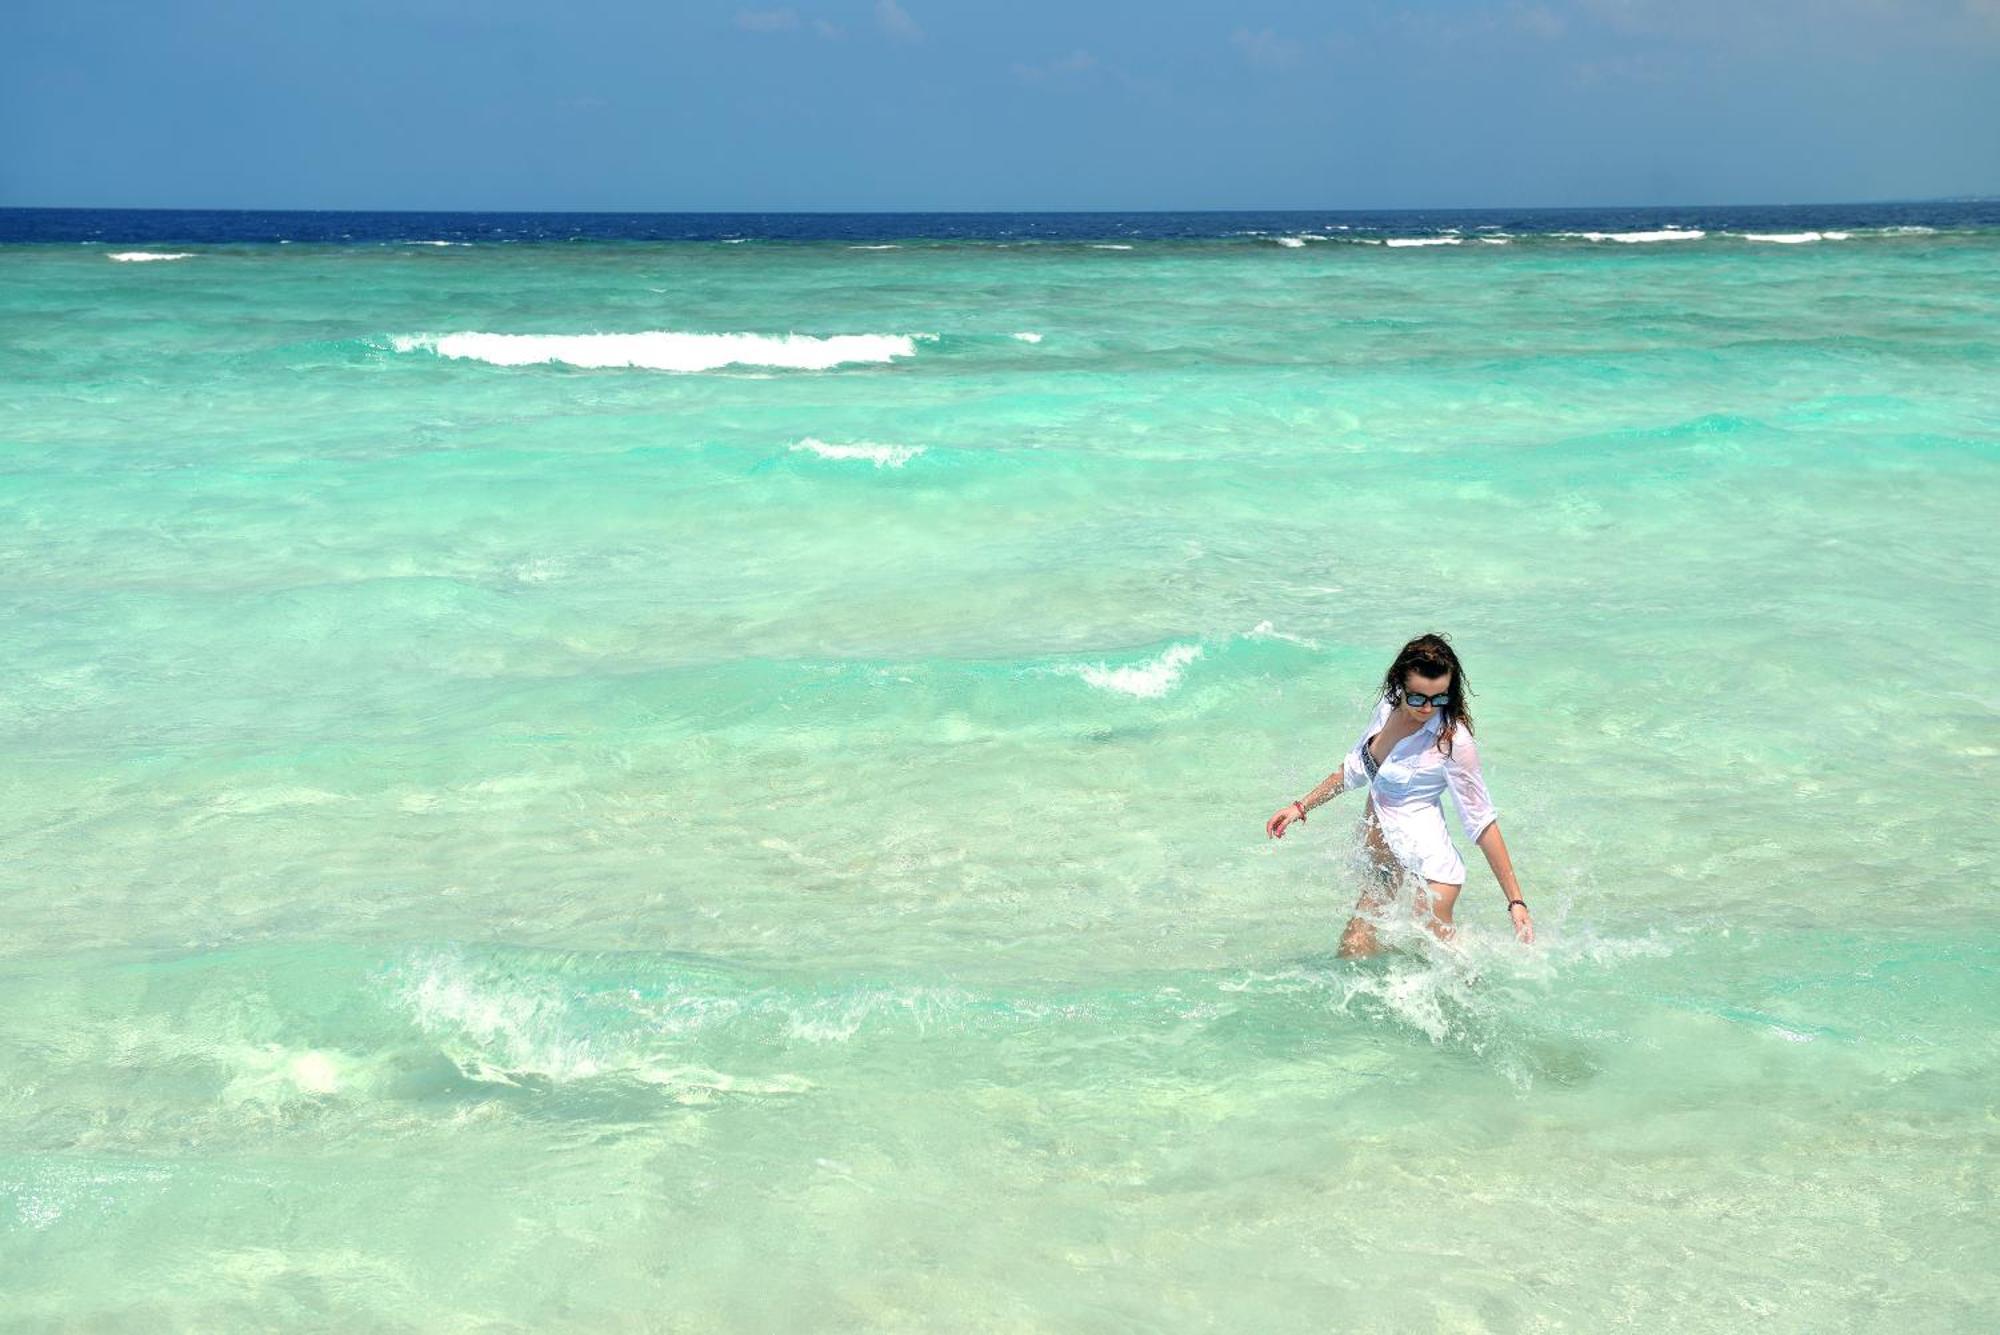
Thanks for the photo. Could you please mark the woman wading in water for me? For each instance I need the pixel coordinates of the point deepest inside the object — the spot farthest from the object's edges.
(1418, 744)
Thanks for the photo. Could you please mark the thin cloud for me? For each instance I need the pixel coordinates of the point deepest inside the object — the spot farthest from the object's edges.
(1538, 20)
(783, 20)
(1076, 63)
(767, 20)
(893, 19)
(1266, 48)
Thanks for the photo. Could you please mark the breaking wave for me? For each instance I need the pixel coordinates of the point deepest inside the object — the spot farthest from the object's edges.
(1635, 238)
(882, 456)
(665, 351)
(1146, 681)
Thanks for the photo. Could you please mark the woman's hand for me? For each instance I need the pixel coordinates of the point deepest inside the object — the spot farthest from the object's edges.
(1524, 926)
(1275, 827)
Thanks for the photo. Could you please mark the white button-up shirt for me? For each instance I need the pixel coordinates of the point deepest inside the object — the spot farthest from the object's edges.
(1408, 788)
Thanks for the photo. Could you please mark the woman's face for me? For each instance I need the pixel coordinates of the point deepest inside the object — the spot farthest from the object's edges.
(1423, 688)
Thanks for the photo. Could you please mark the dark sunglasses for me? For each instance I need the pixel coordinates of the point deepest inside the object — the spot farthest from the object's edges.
(1415, 701)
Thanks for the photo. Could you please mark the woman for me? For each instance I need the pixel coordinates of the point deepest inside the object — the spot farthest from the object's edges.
(1418, 744)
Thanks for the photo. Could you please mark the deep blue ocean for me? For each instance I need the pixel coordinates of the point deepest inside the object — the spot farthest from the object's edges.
(227, 227)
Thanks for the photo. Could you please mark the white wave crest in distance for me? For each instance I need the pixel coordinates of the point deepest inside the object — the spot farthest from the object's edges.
(143, 256)
(1636, 238)
(1794, 238)
(882, 456)
(1422, 241)
(661, 351)
(1147, 681)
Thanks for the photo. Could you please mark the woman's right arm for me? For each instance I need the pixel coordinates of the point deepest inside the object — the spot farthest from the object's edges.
(1330, 787)
(1296, 811)
(1351, 774)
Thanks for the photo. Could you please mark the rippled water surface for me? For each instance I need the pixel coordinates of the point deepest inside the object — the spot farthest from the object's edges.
(714, 778)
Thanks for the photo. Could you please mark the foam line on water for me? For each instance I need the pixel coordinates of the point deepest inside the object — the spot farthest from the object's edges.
(1638, 238)
(666, 350)
(882, 456)
(1144, 681)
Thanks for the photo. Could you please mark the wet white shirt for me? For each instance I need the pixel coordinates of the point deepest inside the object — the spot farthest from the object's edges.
(1408, 788)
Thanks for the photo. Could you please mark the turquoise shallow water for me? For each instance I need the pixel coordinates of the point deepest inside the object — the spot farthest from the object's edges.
(529, 846)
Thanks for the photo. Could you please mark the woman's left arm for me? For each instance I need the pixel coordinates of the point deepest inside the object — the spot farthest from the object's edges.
(1482, 826)
(1495, 849)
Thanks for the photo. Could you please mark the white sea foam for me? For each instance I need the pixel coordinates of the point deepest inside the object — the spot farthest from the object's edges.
(1495, 240)
(1790, 238)
(1028, 336)
(659, 351)
(439, 243)
(1148, 681)
(882, 456)
(1109, 245)
(1263, 630)
(502, 1028)
(1293, 241)
(143, 256)
(1634, 238)
(874, 247)
(1421, 241)
(1906, 231)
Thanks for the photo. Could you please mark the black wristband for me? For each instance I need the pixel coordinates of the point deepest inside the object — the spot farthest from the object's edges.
(1512, 902)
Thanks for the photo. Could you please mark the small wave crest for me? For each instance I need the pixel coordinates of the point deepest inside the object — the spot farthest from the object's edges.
(1421, 241)
(1263, 630)
(882, 456)
(665, 351)
(147, 256)
(1145, 681)
(1637, 238)
(1794, 238)
(510, 1027)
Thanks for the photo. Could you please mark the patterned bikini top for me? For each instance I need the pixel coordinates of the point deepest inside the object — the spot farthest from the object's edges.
(1368, 761)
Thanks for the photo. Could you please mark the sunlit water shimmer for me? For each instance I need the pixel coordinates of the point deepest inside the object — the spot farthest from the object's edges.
(710, 775)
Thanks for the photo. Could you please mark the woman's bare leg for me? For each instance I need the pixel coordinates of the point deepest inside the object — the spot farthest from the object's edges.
(1359, 939)
(1439, 896)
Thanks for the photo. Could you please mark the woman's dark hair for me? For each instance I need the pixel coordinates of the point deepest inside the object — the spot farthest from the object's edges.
(1432, 656)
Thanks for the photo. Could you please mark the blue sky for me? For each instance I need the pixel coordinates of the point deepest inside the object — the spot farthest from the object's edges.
(995, 104)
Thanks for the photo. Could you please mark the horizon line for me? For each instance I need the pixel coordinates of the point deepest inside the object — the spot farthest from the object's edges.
(936, 212)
